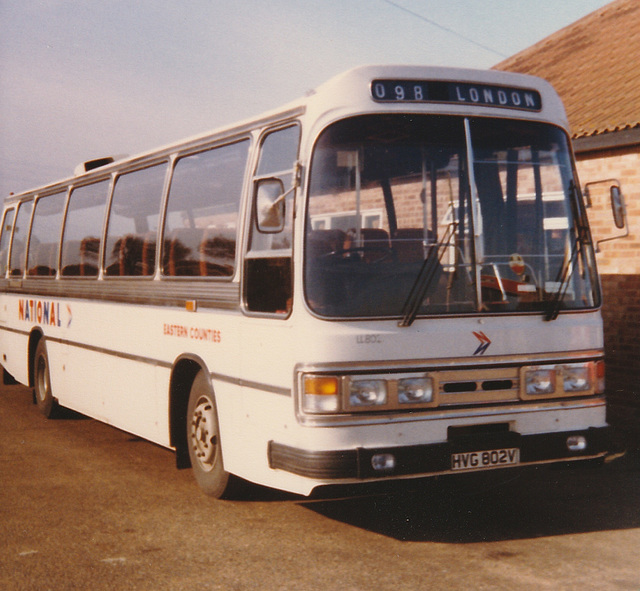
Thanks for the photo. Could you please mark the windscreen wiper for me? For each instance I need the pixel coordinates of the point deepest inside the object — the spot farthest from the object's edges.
(428, 271)
(566, 271)
(562, 281)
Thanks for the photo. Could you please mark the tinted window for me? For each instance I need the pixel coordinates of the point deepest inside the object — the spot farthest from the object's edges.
(202, 212)
(130, 248)
(45, 235)
(83, 229)
(20, 233)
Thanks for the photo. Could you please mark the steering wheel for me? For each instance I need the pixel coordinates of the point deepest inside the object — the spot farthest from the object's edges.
(384, 252)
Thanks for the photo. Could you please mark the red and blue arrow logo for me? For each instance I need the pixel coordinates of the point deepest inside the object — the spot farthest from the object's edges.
(485, 341)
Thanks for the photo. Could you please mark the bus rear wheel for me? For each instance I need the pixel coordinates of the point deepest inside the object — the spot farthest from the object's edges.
(47, 404)
(203, 440)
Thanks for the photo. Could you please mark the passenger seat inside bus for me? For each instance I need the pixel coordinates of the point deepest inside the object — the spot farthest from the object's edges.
(126, 257)
(183, 249)
(89, 253)
(408, 244)
(325, 242)
(44, 264)
(80, 257)
(375, 244)
(217, 252)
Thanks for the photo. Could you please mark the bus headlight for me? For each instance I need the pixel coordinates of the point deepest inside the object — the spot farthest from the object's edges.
(367, 392)
(321, 394)
(541, 380)
(415, 390)
(576, 378)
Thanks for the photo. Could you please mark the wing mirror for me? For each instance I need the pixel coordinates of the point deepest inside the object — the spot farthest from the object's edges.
(616, 201)
(270, 205)
(617, 206)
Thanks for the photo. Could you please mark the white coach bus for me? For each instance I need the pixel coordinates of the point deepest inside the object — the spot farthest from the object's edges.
(391, 278)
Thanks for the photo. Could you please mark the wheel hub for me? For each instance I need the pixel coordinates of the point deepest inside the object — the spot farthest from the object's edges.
(203, 433)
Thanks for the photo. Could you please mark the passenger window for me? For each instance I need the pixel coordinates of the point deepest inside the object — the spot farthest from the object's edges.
(19, 245)
(83, 229)
(42, 259)
(202, 213)
(5, 241)
(130, 248)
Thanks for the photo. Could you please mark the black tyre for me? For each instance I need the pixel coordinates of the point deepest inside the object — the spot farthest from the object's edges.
(43, 394)
(203, 440)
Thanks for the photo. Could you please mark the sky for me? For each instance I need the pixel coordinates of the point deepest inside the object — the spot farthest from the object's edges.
(82, 79)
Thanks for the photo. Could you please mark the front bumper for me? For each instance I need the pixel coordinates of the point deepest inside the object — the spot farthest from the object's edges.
(433, 459)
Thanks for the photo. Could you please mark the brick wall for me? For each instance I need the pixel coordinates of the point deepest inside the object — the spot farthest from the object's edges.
(619, 266)
(620, 256)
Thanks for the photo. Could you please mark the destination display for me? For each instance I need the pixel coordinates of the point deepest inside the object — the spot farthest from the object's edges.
(445, 91)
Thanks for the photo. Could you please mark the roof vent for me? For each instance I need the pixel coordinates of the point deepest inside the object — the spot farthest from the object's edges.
(95, 163)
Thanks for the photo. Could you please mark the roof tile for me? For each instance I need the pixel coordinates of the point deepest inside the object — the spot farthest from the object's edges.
(594, 64)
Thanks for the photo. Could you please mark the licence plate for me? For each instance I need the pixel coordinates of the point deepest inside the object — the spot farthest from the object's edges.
(479, 460)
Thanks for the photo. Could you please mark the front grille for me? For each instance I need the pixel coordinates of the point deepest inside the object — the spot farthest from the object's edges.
(478, 386)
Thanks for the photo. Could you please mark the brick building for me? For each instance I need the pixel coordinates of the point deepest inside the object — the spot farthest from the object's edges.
(594, 65)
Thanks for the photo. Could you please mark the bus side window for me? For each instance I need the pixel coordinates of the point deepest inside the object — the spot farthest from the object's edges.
(82, 230)
(5, 240)
(42, 258)
(130, 247)
(268, 277)
(202, 212)
(20, 234)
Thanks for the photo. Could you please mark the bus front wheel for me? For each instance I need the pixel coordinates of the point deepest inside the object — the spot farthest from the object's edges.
(203, 439)
(42, 382)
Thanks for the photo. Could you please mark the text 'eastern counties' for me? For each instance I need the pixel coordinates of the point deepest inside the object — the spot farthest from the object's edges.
(192, 332)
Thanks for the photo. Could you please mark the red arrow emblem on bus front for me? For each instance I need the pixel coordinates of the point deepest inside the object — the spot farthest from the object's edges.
(485, 341)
